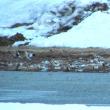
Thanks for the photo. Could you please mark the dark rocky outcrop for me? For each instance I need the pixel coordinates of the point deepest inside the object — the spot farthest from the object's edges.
(10, 40)
(97, 6)
(20, 24)
(74, 14)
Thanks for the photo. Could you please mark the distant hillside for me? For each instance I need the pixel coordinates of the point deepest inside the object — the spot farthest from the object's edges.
(55, 59)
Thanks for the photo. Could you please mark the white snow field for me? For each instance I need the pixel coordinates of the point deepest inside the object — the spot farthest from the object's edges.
(93, 31)
(37, 106)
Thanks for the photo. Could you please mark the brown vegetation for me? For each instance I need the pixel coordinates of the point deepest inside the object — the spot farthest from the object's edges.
(55, 59)
(10, 40)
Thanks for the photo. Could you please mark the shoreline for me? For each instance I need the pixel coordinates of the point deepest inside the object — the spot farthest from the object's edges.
(54, 59)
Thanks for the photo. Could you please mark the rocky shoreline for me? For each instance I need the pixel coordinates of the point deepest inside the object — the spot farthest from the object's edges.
(54, 59)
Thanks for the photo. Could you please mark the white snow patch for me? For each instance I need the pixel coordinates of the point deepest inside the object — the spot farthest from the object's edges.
(93, 31)
(37, 106)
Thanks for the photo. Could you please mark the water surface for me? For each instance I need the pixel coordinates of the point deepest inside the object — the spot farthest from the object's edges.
(55, 87)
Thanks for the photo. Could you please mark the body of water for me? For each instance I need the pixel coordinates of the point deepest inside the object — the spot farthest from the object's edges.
(55, 87)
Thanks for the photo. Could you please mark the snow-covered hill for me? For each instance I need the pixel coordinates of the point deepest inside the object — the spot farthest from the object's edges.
(72, 23)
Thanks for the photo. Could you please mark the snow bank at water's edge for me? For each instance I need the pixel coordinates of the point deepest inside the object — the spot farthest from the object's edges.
(37, 106)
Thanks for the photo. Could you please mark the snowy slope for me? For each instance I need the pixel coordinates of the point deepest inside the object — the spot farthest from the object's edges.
(37, 19)
(92, 32)
(12, 11)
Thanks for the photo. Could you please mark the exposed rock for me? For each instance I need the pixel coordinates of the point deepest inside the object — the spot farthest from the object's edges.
(64, 17)
(5, 41)
(97, 6)
(17, 37)
(88, 68)
(20, 24)
(10, 40)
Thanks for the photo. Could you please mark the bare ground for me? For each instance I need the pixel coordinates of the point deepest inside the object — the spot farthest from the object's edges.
(55, 59)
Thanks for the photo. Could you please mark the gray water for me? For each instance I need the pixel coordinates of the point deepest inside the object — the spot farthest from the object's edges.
(55, 88)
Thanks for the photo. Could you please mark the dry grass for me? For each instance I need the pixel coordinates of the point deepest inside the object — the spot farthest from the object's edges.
(18, 55)
(60, 52)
